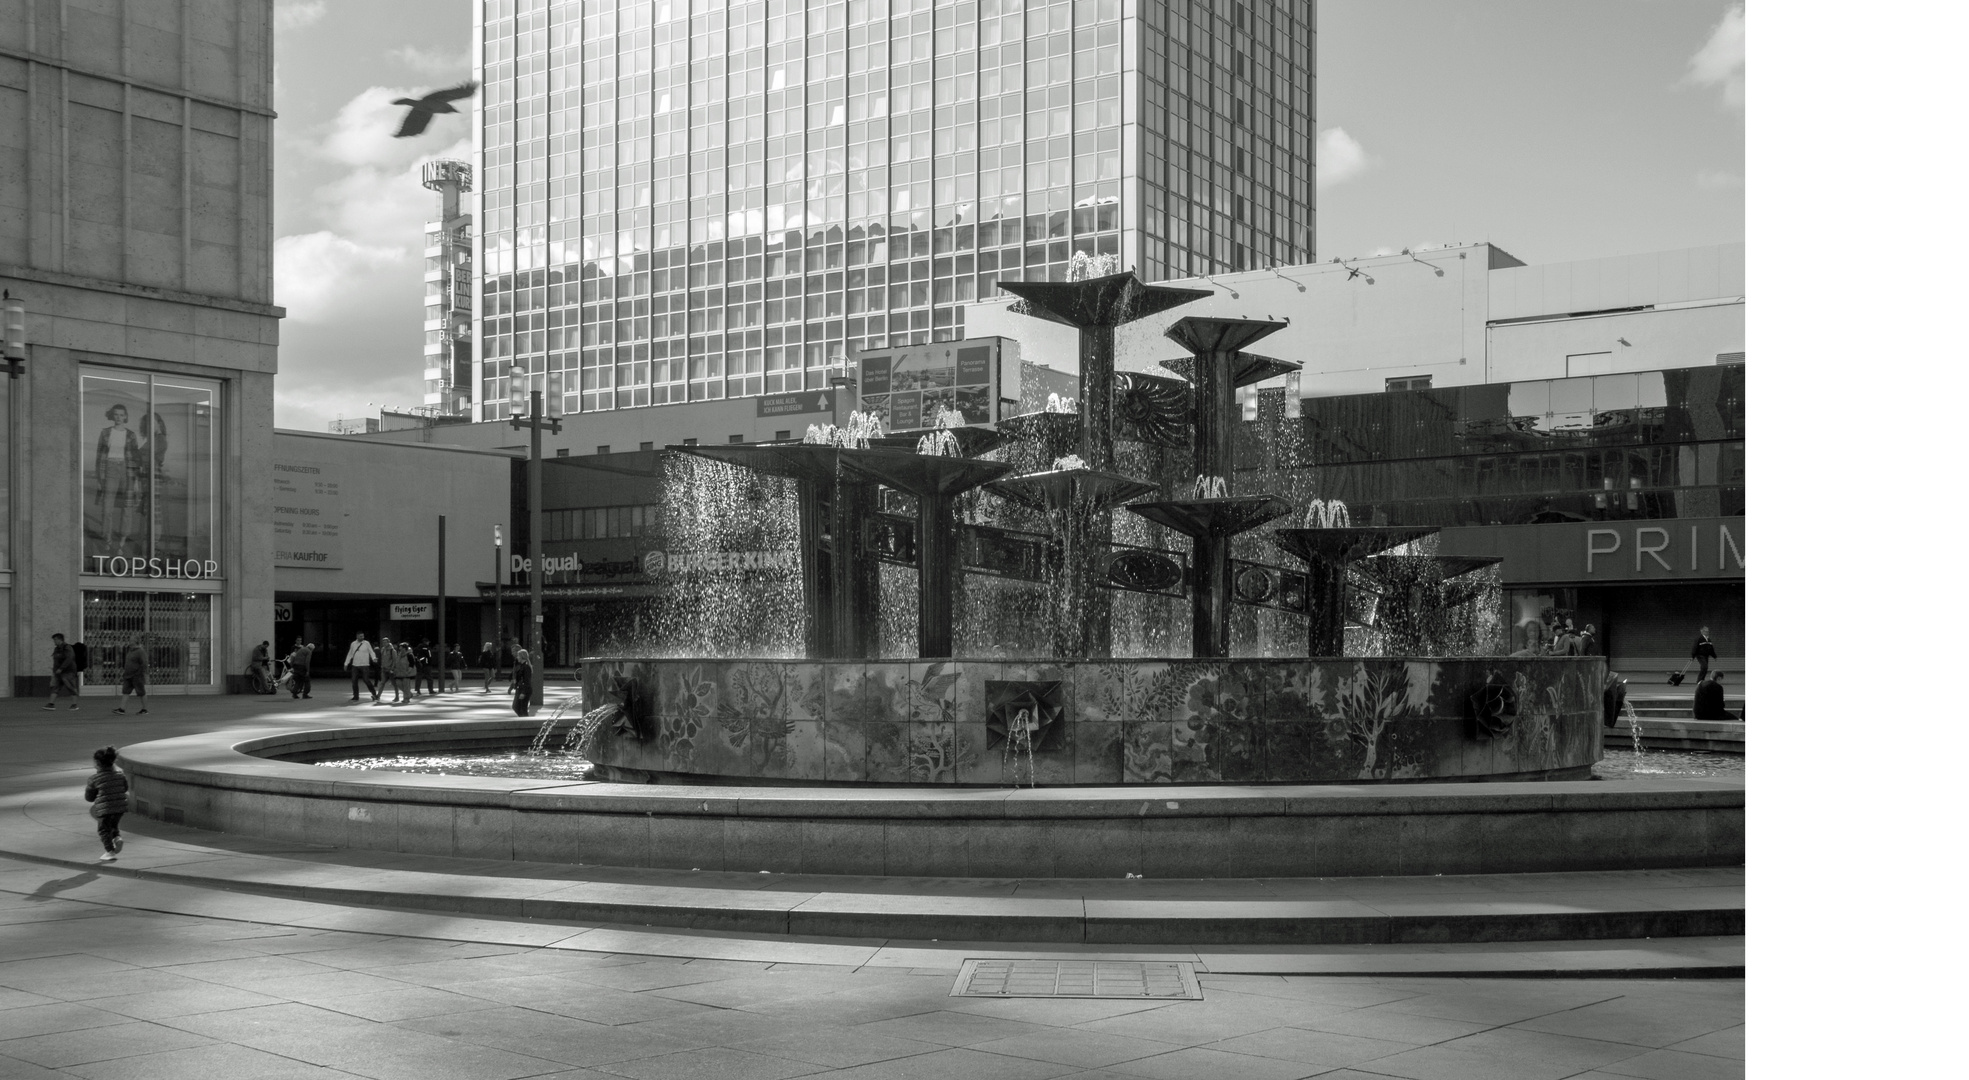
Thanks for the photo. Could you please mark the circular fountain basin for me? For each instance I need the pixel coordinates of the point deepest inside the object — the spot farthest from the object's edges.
(999, 723)
(262, 786)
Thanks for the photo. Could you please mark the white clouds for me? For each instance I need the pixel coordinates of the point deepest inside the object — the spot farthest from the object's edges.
(1340, 158)
(1718, 180)
(312, 270)
(296, 14)
(433, 61)
(1720, 60)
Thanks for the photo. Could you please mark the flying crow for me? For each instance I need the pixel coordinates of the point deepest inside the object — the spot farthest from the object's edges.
(437, 101)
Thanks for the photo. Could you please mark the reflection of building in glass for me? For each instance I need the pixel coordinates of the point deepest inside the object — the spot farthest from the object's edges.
(448, 292)
(139, 242)
(1613, 500)
(684, 202)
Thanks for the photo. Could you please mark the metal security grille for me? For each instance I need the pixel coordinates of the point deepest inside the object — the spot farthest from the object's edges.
(1154, 979)
(180, 628)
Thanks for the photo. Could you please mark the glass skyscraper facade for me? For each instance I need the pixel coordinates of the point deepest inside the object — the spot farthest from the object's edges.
(689, 200)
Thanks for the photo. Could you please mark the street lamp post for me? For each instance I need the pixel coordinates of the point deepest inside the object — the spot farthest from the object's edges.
(534, 421)
(498, 600)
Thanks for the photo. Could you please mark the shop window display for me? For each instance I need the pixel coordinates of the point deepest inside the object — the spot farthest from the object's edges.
(148, 459)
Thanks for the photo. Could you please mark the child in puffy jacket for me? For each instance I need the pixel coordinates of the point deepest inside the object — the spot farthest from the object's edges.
(109, 796)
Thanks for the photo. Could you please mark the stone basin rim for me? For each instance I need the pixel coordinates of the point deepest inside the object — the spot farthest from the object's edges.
(227, 761)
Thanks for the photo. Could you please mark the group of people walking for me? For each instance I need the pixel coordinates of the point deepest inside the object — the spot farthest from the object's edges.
(396, 664)
(70, 659)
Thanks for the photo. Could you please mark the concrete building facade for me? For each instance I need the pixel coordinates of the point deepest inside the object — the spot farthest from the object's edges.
(136, 227)
(356, 541)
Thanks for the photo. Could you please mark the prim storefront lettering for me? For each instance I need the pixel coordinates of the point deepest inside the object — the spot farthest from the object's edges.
(1654, 549)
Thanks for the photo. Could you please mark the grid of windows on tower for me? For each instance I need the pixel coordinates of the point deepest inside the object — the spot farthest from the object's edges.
(696, 199)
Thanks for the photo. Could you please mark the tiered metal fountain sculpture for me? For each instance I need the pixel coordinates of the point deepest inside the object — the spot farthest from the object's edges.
(836, 477)
(1081, 491)
(1329, 544)
(1211, 516)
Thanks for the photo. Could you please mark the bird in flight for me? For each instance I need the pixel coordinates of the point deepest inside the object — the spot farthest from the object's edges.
(423, 108)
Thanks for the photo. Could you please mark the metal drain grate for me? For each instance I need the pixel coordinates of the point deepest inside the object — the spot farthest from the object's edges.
(1157, 979)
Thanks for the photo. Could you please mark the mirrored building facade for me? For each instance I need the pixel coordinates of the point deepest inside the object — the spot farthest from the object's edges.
(685, 200)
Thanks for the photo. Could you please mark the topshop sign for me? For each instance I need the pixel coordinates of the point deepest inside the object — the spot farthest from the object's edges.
(124, 566)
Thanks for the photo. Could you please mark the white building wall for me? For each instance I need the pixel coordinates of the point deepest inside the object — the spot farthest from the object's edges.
(1639, 341)
(1352, 337)
(1659, 277)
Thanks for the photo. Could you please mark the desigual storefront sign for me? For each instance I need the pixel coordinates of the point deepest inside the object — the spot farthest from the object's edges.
(1587, 552)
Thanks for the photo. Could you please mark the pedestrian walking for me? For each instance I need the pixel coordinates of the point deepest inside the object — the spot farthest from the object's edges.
(136, 668)
(425, 662)
(300, 665)
(454, 665)
(489, 660)
(108, 792)
(361, 655)
(394, 671)
(63, 681)
(522, 682)
(1703, 653)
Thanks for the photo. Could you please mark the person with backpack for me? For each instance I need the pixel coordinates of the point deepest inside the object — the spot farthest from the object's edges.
(361, 655)
(63, 681)
(454, 667)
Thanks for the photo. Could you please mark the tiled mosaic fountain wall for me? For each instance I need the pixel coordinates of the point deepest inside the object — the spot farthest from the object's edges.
(999, 722)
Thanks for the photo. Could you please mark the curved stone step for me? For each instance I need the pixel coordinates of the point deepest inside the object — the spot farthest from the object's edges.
(1257, 911)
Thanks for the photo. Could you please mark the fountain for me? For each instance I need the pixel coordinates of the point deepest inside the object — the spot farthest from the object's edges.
(1065, 709)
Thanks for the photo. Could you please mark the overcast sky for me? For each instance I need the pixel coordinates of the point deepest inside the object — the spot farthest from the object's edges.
(1555, 129)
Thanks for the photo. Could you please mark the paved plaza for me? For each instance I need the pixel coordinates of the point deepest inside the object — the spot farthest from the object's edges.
(104, 973)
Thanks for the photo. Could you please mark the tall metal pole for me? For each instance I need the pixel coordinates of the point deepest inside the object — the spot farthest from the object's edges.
(442, 665)
(498, 601)
(533, 574)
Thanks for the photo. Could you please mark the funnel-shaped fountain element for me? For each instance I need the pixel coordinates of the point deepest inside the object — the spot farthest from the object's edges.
(839, 583)
(1246, 368)
(1394, 569)
(936, 481)
(1417, 592)
(1061, 489)
(1327, 554)
(1217, 363)
(1095, 306)
(1210, 523)
(1077, 503)
(972, 439)
(1057, 433)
